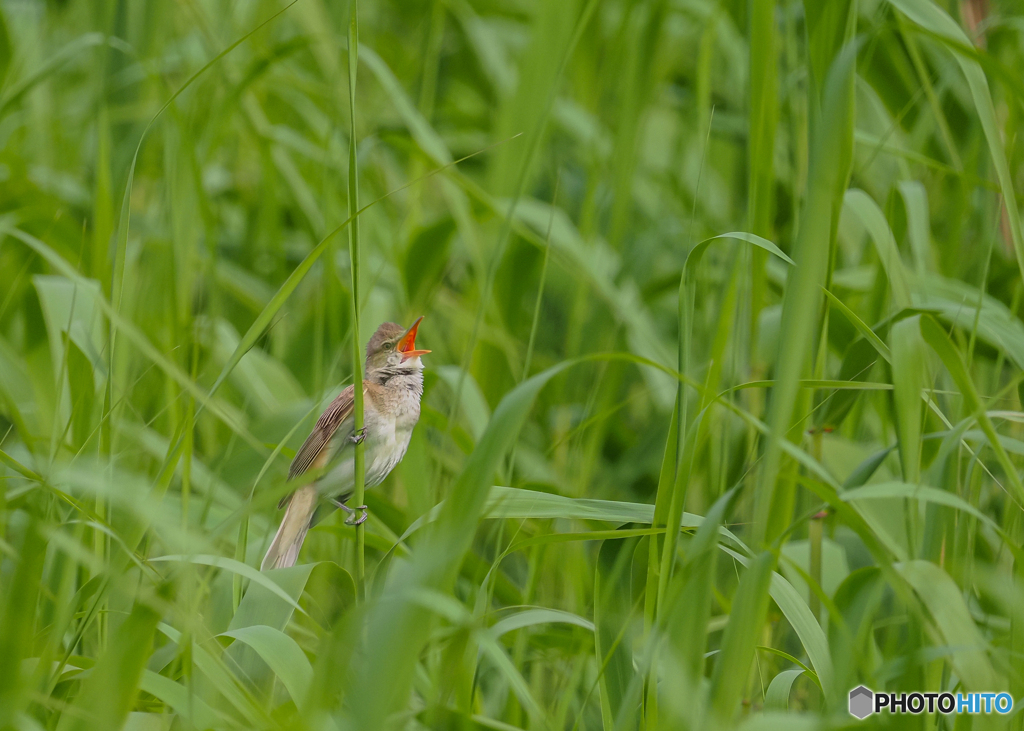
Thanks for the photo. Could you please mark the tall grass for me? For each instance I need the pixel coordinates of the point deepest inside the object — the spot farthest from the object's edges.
(723, 414)
(353, 257)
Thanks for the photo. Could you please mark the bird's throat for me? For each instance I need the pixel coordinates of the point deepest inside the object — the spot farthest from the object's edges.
(400, 377)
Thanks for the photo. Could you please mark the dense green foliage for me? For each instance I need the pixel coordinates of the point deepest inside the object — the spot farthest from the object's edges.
(752, 267)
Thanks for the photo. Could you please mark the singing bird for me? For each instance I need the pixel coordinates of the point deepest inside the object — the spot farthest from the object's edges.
(392, 387)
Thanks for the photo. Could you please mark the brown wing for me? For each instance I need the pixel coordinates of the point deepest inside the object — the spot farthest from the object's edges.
(313, 452)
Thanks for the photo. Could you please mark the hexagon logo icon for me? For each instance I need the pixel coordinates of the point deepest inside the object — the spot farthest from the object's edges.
(861, 702)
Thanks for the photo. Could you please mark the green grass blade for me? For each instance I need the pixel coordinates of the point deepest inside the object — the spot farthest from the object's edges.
(801, 302)
(934, 335)
(732, 665)
(111, 688)
(612, 637)
(933, 19)
(795, 609)
(908, 378)
(353, 250)
(874, 221)
(397, 628)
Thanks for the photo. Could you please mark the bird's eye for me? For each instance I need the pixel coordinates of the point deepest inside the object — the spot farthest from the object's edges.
(389, 346)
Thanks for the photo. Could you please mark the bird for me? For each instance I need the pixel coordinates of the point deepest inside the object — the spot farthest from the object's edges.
(392, 388)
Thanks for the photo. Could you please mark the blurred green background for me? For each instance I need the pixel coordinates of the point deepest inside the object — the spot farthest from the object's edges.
(826, 399)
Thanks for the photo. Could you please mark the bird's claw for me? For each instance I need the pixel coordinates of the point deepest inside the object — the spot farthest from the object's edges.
(351, 518)
(358, 436)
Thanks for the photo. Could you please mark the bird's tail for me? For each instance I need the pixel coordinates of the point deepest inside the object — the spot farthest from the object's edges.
(284, 549)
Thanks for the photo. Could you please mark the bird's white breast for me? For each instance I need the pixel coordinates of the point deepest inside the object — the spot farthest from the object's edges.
(389, 424)
(391, 431)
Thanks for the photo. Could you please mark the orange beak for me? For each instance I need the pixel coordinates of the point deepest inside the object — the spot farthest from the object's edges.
(407, 345)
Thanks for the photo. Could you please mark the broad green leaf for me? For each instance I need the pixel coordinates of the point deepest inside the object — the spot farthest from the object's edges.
(221, 679)
(776, 698)
(510, 502)
(915, 201)
(235, 567)
(861, 204)
(70, 309)
(909, 378)
(967, 307)
(924, 493)
(535, 616)
(866, 469)
(176, 696)
(282, 654)
(953, 624)
(866, 332)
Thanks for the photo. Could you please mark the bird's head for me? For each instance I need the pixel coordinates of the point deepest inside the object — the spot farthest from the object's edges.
(392, 350)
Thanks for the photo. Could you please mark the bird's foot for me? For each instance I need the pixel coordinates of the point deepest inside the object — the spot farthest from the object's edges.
(352, 518)
(358, 436)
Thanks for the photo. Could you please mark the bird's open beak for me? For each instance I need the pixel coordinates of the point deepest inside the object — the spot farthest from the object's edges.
(407, 345)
